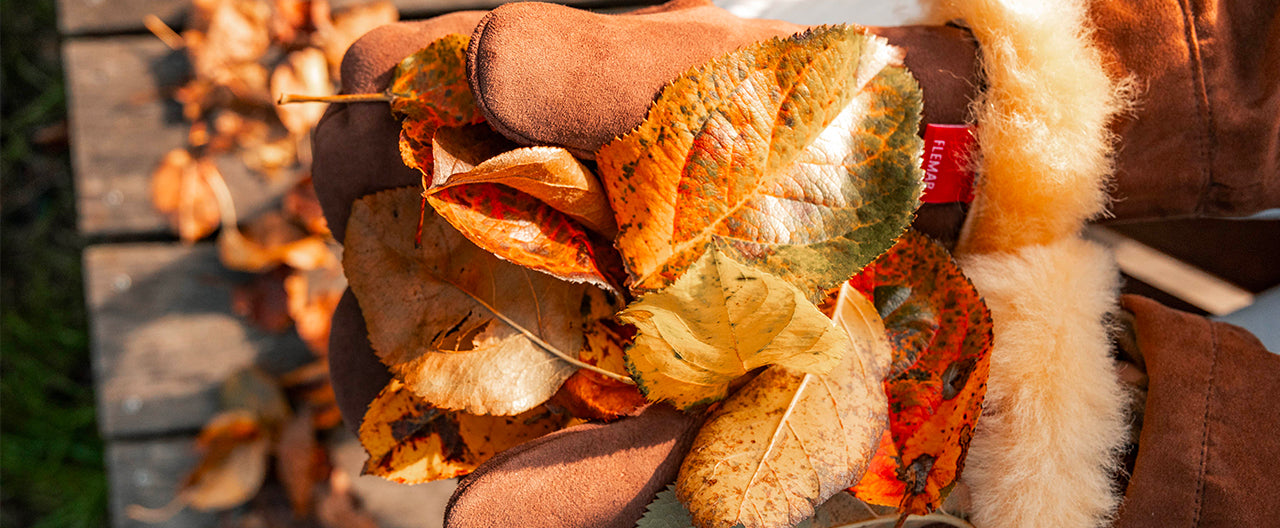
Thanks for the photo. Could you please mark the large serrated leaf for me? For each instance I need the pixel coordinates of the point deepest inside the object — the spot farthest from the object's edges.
(787, 441)
(720, 321)
(463, 329)
(799, 155)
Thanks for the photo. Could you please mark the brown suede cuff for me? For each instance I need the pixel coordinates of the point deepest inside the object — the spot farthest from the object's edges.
(1206, 455)
(1205, 136)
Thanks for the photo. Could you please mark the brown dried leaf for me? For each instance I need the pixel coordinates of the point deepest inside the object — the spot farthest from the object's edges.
(304, 71)
(180, 188)
(313, 296)
(263, 301)
(233, 464)
(463, 329)
(301, 204)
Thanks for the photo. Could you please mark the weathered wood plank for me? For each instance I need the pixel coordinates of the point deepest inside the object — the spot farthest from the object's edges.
(78, 17)
(164, 338)
(122, 124)
(148, 472)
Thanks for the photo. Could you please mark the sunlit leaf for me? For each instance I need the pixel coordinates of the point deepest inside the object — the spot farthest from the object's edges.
(788, 441)
(941, 331)
(797, 155)
(720, 321)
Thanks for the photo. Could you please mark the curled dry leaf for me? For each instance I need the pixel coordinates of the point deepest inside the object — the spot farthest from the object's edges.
(226, 39)
(788, 441)
(718, 322)
(535, 206)
(181, 189)
(302, 71)
(312, 298)
(463, 329)
(410, 441)
(797, 155)
(303, 206)
(233, 464)
(942, 336)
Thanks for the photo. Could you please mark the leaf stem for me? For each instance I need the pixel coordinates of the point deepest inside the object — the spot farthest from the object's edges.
(553, 350)
(341, 98)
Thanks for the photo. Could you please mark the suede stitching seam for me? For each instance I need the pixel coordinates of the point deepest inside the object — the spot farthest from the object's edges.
(1204, 439)
(1206, 137)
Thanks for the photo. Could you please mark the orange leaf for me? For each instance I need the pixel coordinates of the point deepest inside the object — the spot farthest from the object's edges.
(798, 156)
(587, 394)
(941, 331)
(534, 206)
(180, 189)
(233, 465)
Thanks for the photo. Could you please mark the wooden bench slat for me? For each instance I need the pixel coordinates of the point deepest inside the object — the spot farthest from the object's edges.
(78, 17)
(121, 126)
(164, 338)
(148, 473)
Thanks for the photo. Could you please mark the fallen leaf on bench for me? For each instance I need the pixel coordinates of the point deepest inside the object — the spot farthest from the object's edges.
(180, 189)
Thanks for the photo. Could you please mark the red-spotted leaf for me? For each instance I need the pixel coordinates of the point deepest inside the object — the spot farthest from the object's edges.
(940, 329)
(429, 89)
(538, 207)
(798, 156)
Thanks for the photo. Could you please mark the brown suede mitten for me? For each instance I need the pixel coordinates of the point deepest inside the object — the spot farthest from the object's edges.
(589, 476)
(1204, 138)
(1206, 455)
(595, 75)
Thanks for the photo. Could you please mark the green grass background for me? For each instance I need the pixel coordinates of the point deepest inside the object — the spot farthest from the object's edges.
(51, 465)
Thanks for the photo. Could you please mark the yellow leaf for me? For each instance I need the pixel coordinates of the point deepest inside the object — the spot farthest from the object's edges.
(788, 441)
(798, 155)
(720, 321)
(463, 329)
(410, 441)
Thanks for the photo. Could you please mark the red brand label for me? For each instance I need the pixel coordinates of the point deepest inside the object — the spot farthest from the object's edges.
(946, 164)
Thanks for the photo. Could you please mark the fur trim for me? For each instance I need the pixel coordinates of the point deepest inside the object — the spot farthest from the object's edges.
(1045, 149)
(1047, 444)
(1053, 421)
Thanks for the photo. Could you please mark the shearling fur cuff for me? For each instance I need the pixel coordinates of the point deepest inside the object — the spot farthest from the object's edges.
(1047, 444)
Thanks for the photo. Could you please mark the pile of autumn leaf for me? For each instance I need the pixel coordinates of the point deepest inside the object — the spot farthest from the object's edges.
(744, 254)
(242, 54)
